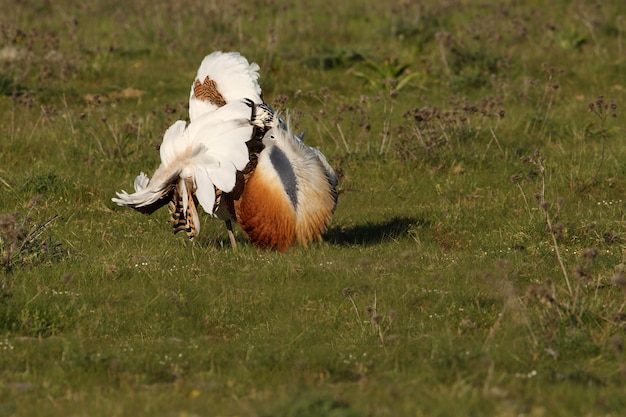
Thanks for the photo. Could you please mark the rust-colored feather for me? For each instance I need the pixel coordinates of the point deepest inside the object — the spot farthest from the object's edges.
(288, 195)
(207, 91)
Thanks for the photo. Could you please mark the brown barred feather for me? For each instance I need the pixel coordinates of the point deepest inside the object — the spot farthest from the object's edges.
(183, 220)
(207, 91)
(177, 216)
(218, 199)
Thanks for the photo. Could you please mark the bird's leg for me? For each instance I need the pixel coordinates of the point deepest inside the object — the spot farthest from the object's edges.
(231, 235)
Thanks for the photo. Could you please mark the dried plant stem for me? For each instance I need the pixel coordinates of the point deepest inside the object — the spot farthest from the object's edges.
(496, 326)
(380, 334)
(35, 233)
(35, 126)
(377, 320)
(444, 59)
(68, 115)
(559, 258)
(320, 122)
(343, 138)
(495, 139)
(445, 134)
(525, 199)
(602, 154)
(386, 126)
(12, 120)
(548, 108)
(558, 255)
(356, 310)
(6, 184)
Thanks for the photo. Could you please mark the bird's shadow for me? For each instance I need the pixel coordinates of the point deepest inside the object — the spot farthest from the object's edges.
(372, 233)
(366, 234)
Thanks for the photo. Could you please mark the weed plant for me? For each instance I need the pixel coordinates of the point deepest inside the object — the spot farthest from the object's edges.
(474, 265)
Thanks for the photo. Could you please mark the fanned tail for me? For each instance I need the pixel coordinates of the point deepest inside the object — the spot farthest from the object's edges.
(152, 194)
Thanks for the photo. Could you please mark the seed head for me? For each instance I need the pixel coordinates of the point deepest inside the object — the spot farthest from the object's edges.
(590, 253)
(560, 202)
(619, 278)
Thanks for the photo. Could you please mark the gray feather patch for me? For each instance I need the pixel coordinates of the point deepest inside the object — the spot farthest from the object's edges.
(287, 176)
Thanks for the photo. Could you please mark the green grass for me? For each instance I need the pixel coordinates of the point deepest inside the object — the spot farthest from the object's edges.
(474, 265)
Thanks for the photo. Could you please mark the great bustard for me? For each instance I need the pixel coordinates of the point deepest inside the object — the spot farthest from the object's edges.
(239, 162)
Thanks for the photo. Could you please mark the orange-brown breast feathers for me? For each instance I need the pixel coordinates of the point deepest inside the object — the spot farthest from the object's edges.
(265, 213)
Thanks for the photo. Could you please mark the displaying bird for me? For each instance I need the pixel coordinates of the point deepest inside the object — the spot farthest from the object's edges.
(239, 162)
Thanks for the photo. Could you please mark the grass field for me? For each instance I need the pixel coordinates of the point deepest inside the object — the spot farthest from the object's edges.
(474, 265)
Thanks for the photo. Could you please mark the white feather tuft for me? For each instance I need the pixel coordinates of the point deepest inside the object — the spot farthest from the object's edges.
(141, 182)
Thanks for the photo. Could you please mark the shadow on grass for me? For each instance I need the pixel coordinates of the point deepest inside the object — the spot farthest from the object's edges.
(366, 234)
(373, 233)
